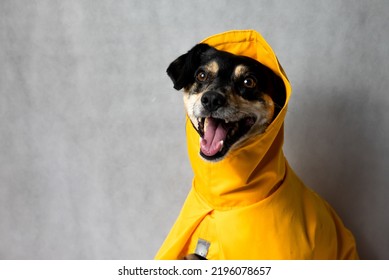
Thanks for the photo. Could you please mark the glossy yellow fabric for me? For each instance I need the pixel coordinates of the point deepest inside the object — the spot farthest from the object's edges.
(251, 205)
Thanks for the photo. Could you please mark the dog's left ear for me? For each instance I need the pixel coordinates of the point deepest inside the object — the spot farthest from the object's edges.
(181, 70)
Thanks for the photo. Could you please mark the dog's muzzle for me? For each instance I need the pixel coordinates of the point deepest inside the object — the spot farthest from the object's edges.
(219, 134)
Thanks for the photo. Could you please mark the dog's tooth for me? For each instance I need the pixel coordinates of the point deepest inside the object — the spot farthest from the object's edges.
(205, 124)
(221, 145)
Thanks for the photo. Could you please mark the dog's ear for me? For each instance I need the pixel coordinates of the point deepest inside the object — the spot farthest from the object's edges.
(181, 70)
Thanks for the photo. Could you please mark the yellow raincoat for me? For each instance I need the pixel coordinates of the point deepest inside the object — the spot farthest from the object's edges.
(251, 205)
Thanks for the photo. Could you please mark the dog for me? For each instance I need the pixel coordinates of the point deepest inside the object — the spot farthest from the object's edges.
(246, 202)
(227, 97)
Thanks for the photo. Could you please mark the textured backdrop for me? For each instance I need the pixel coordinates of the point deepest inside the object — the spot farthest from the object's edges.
(93, 161)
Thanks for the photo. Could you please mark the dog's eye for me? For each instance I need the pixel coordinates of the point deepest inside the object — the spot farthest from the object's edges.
(249, 82)
(201, 76)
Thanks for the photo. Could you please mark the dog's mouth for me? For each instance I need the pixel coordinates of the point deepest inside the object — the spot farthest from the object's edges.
(218, 135)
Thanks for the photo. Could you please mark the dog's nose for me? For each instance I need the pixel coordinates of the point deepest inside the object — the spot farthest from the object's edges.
(212, 100)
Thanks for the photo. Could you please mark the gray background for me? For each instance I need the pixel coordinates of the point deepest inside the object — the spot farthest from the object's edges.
(93, 161)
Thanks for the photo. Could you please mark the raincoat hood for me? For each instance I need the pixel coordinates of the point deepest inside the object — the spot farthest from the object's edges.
(258, 166)
(251, 205)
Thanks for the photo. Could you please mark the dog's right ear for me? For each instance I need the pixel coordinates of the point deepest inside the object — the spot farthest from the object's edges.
(181, 70)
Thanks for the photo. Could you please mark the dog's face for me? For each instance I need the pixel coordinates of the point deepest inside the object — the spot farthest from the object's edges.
(228, 98)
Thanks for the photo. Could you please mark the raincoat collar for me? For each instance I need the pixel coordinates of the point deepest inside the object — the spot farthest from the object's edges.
(256, 169)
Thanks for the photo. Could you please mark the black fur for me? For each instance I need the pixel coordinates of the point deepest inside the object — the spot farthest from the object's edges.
(182, 72)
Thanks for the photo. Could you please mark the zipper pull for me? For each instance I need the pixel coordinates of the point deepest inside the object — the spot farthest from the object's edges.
(202, 247)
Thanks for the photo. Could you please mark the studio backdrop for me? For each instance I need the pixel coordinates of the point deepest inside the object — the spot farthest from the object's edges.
(93, 162)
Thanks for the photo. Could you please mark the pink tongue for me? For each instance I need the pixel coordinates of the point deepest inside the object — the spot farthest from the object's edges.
(215, 132)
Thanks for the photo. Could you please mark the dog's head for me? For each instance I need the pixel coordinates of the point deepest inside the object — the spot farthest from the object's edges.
(228, 98)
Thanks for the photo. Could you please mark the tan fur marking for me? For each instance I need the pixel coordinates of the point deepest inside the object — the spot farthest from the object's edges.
(269, 105)
(212, 67)
(240, 70)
